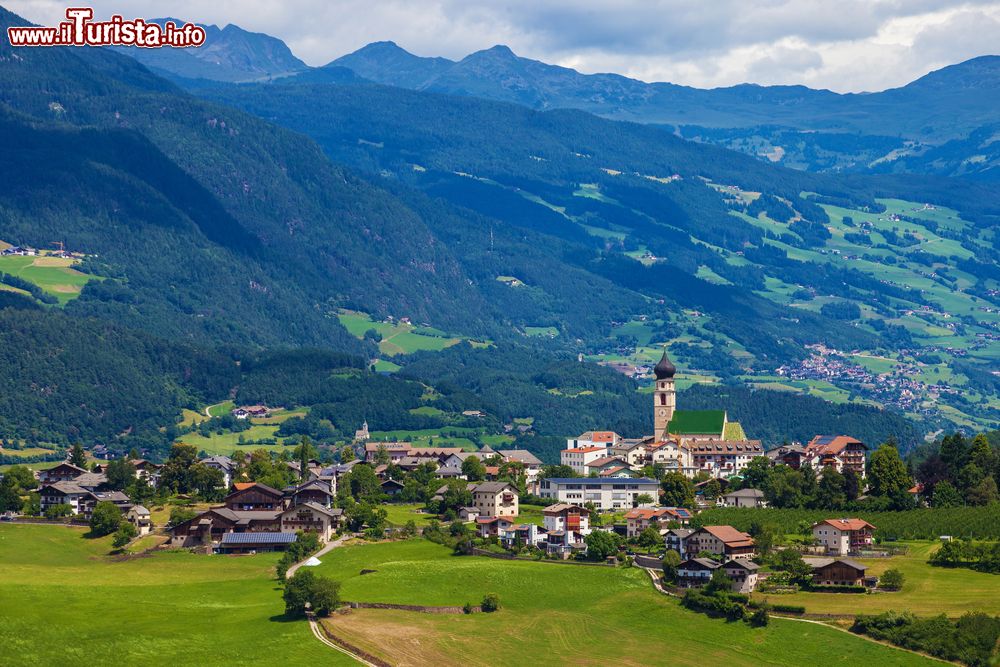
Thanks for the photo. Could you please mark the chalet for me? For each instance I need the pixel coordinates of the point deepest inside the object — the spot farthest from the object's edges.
(248, 411)
(566, 517)
(316, 491)
(724, 541)
(495, 499)
(744, 498)
(210, 526)
(391, 487)
(742, 572)
(254, 497)
(81, 501)
(606, 494)
(224, 464)
(842, 572)
(675, 539)
(312, 517)
(840, 537)
(639, 519)
(64, 472)
(577, 458)
(139, 517)
(251, 543)
(837, 451)
(696, 572)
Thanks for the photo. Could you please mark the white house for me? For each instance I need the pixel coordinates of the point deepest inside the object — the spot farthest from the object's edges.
(606, 494)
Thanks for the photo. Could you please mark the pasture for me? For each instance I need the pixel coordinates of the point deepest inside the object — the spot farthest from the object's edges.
(66, 602)
(55, 275)
(569, 614)
(398, 337)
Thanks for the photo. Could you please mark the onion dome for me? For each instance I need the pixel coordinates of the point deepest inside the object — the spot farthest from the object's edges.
(664, 367)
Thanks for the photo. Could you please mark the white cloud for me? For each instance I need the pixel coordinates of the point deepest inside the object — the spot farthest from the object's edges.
(848, 45)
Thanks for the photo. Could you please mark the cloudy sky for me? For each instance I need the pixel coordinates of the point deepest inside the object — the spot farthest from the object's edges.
(843, 45)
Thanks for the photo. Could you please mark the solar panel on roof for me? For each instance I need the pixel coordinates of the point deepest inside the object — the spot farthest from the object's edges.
(258, 538)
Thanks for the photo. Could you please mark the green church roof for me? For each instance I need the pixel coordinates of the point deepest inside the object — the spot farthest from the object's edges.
(697, 422)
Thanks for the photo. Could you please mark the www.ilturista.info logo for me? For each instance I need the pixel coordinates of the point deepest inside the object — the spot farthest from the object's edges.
(79, 30)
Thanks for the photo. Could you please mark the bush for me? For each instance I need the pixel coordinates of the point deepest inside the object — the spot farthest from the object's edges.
(891, 580)
(126, 533)
(467, 609)
(490, 603)
(821, 588)
(971, 639)
(322, 594)
(58, 511)
(788, 608)
(760, 618)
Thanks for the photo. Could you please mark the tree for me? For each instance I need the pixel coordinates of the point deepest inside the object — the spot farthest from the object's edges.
(77, 456)
(719, 581)
(671, 560)
(179, 515)
(760, 618)
(983, 493)
(362, 483)
(887, 473)
(791, 562)
(321, 594)
(347, 454)
(206, 481)
(852, 484)
(601, 544)
(120, 474)
(946, 495)
(105, 519)
(474, 469)
(382, 455)
(557, 472)
(19, 478)
(831, 493)
(712, 490)
(650, 538)
(58, 511)
(126, 533)
(678, 490)
(757, 473)
(954, 452)
(10, 501)
(644, 499)
(891, 580)
(303, 453)
(490, 603)
(982, 454)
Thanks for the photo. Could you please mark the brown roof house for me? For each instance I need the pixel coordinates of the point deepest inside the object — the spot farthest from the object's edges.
(724, 541)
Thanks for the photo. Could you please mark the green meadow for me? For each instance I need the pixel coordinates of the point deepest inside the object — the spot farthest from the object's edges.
(55, 275)
(397, 337)
(66, 602)
(568, 614)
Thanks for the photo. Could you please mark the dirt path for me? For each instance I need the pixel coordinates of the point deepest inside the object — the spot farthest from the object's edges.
(318, 633)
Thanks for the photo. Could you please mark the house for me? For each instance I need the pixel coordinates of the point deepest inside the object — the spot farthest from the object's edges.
(312, 517)
(631, 450)
(212, 525)
(842, 572)
(254, 497)
(532, 465)
(606, 494)
(744, 498)
(723, 458)
(495, 499)
(519, 535)
(577, 458)
(223, 464)
(64, 472)
(841, 452)
(696, 572)
(605, 464)
(492, 526)
(449, 472)
(395, 450)
(248, 411)
(742, 572)
(789, 455)
(468, 513)
(600, 439)
(139, 517)
(566, 517)
(840, 537)
(250, 543)
(724, 541)
(81, 501)
(618, 472)
(118, 498)
(639, 519)
(318, 491)
(675, 539)
(147, 471)
(391, 487)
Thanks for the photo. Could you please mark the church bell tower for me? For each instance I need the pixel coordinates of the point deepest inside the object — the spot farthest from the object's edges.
(664, 395)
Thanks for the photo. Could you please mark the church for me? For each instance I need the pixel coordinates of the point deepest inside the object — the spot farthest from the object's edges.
(693, 441)
(686, 441)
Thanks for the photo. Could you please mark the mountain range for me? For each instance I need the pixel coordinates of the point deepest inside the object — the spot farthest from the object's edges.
(233, 218)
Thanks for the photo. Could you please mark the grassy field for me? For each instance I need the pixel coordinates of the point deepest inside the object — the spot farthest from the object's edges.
(569, 615)
(400, 514)
(54, 275)
(398, 338)
(66, 603)
(927, 590)
(228, 442)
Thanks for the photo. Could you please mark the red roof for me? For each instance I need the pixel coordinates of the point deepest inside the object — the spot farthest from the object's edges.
(729, 535)
(831, 445)
(587, 449)
(241, 486)
(603, 436)
(848, 524)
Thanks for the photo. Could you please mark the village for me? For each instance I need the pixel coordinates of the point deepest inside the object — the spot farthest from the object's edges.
(606, 490)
